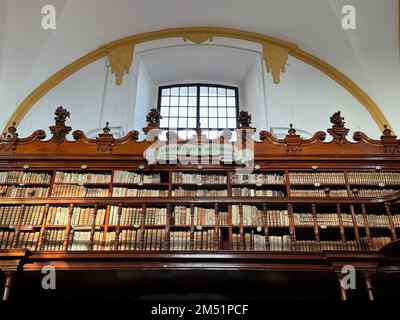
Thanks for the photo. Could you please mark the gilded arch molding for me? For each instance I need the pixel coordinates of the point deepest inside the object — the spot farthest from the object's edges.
(275, 52)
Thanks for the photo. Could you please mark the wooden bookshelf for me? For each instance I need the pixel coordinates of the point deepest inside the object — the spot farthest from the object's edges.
(335, 220)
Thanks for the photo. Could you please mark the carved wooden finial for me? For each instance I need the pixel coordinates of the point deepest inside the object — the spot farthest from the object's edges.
(106, 129)
(153, 120)
(337, 120)
(244, 120)
(386, 132)
(60, 130)
(338, 131)
(9, 139)
(291, 131)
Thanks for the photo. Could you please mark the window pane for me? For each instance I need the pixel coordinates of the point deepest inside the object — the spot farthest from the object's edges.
(183, 101)
(213, 134)
(212, 112)
(232, 123)
(173, 122)
(182, 123)
(222, 123)
(183, 91)
(173, 111)
(204, 122)
(203, 101)
(191, 123)
(221, 92)
(192, 112)
(204, 91)
(230, 93)
(231, 112)
(221, 102)
(212, 101)
(221, 112)
(231, 102)
(165, 92)
(164, 101)
(213, 123)
(193, 91)
(164, 111)
(192, 101)
(175, 91)
(212, 91)
(174, 101)
(183, 112)
(164, 123)
(203, 112)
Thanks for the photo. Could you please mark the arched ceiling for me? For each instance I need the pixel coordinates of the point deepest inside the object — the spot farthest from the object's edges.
(368, 55)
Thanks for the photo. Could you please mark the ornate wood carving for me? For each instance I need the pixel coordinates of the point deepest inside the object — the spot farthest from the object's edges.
(244, 120)
(275, 59)
(338, 131)
(120, 59)
(153, 120)
(60, 130)
(269, 147)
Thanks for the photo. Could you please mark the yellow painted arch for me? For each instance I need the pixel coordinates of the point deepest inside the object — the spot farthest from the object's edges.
(190, 33)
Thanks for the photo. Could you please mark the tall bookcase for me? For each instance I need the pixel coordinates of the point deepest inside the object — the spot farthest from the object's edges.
(308, 205)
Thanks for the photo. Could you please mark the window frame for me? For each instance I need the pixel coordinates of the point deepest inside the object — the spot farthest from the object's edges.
(198, 85)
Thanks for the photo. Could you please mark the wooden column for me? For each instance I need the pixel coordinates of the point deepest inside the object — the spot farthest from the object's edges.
(216, 228)
(68, 229)
(367, 230)
(168, 228)
(142, 243)
(93, 228)
(341, 226)
(291, 228)
(316, 228)
(354, 219)
(115, 247)
(369, 286)
(343, 291)
(191, 239)
(18, 227)
(9, 275)
(391, 224)
(43, 228)
(241, 229)
(266, 227)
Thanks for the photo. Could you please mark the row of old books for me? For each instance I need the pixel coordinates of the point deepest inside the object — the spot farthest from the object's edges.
(375, 192)
(153, 239)
(80, 216)
(373, 177)
(396, 220)
(6, 239)
(28, 240)
(375, 243)
(126, 192)
(252, 216)
(257, 178)
(77, 191)
(257, 242)
(318, 193)
(121, 176)
(24, 177)
(133, 216)
(248, 192)
(203, 240)
(81, 178)
(33, 216)
(199, 193)
(23, 192)
(202, 216)
(54, 240)
(9, 215)
(180, 177)
(317, 177)
(80, 241)
(313, 246)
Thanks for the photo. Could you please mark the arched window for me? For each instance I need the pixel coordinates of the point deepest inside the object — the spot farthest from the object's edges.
(183, 106)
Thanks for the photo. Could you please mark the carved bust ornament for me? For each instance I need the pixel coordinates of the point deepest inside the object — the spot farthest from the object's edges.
(60, 130)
